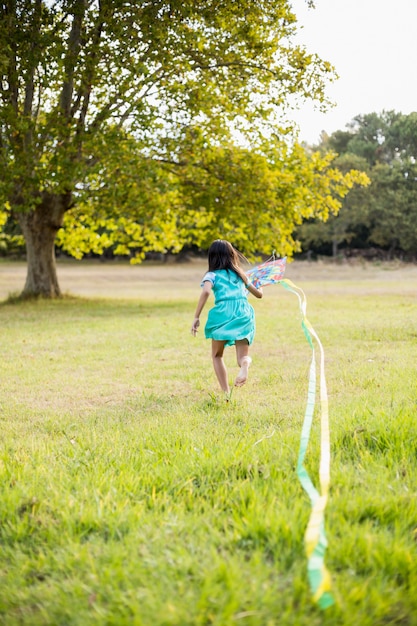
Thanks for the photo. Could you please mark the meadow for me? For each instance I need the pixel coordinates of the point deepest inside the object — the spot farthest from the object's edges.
(132, 494)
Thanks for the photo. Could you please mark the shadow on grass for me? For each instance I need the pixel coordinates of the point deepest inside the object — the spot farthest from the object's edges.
(94, 306)
(15, 298)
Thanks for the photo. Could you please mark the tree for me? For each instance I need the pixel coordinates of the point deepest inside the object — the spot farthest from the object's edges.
(100, 99)
(352, 219)
(385, 213)
(393, 207)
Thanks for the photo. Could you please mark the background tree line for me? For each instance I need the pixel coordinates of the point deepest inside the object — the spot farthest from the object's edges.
(379, 219)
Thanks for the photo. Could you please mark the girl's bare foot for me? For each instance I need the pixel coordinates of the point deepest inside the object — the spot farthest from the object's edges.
(244, 369)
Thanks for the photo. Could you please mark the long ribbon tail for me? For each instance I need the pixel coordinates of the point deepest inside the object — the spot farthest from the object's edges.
(315, 537)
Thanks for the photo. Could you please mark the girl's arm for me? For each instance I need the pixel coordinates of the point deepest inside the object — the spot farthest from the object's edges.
(258, 293)
(200, 305)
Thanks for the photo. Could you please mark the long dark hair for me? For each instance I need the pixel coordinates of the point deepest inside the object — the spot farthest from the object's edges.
(223, 256)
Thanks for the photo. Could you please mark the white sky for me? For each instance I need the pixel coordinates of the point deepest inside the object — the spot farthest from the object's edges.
(373, 46)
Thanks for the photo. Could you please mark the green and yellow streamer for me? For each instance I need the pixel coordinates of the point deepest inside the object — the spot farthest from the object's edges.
(315, 537)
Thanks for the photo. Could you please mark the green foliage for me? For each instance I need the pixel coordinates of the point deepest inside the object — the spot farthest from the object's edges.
(393, 205)
(342, 227)
(132, 125)
(252, 197)
(256, 198)
(11, 240)
(70, 70)
(385, 213)
(137, 214)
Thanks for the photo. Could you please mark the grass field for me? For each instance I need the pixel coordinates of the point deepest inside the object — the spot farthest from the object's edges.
(133, 495)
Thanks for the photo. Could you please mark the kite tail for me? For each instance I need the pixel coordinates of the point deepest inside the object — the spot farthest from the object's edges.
(315, 537)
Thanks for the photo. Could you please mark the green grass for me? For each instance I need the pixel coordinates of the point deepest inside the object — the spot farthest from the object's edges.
(131, 494)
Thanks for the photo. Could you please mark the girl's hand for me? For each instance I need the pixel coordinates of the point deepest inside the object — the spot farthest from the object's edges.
(194, 327)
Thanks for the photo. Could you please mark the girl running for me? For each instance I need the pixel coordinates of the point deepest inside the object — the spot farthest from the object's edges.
(231, 322)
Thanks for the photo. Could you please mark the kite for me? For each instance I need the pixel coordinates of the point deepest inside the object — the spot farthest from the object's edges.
(269, 273)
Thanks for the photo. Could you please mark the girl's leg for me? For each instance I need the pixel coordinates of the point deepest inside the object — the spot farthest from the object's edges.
(243, 360)
(217, 349)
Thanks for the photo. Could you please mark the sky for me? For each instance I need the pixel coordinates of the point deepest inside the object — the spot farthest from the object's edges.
(373, 46)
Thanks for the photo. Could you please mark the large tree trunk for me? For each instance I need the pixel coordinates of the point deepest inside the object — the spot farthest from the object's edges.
(39, 228)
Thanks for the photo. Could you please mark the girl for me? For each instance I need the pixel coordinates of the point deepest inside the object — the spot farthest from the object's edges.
(232, 319)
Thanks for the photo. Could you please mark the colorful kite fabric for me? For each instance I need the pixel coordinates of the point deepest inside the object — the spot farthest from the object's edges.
(267, 273)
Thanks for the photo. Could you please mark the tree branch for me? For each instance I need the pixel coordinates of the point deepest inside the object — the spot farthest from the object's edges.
(84, 91)
(74, 46)
(9, 12)
(34, 45)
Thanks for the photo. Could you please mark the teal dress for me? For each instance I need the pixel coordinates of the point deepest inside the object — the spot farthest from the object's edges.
(232, 317)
